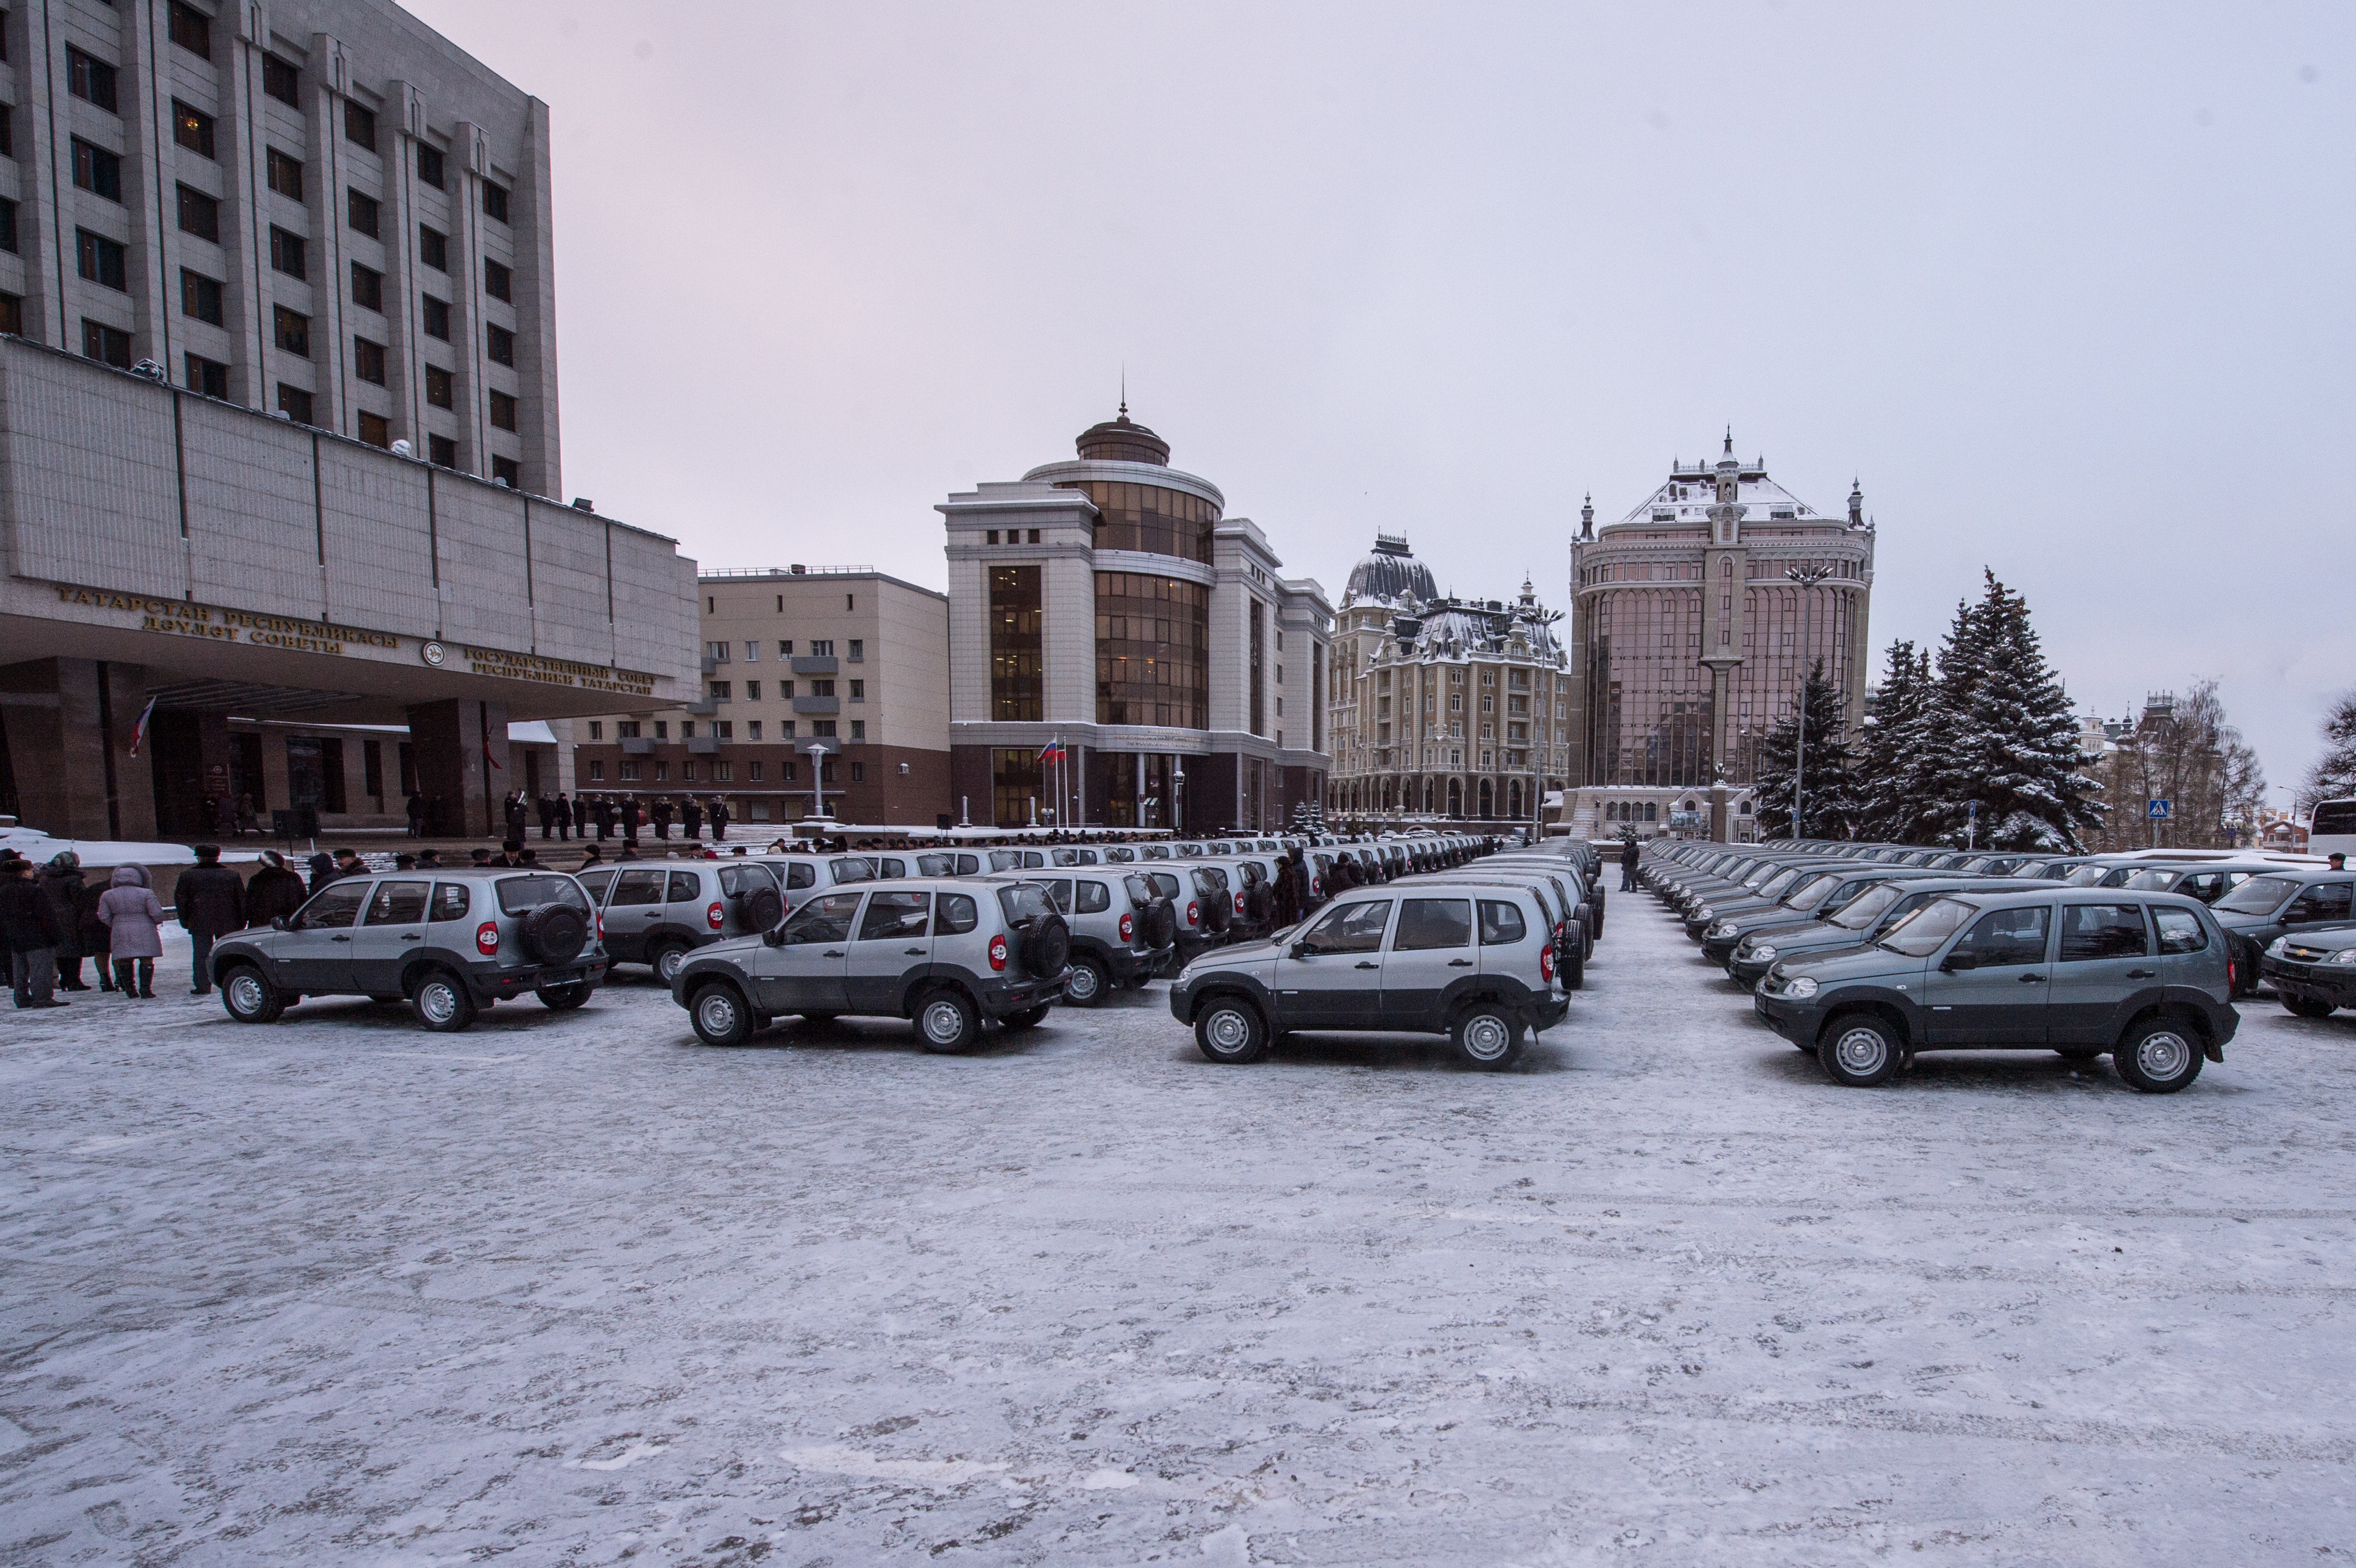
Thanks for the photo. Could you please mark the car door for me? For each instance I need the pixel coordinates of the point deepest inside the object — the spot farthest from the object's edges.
(808, 971)
(633, 911)
(2104, 971)
(1430, 946)
(315, 956)
(894, 937)
(1331, 977)
(1507, 943)
(1999, 999)
(686, 911)
(392, 928)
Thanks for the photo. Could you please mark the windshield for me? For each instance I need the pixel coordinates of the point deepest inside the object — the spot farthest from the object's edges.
(2087, 875)
(2152, 881)
(1775, 884)
(517, 894)
(1919, 933)
(851, 868)
(1024, 901)
(1816, 892)
(1140, 890)
(2258, 895)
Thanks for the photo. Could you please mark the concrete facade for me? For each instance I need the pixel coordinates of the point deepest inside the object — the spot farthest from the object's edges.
(184, 174)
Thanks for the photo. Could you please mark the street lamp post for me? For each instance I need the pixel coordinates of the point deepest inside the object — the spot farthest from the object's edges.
(1177, 797)
(1807, 577)
(817, 779)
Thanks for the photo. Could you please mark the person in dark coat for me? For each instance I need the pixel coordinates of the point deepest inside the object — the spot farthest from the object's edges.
(1287, 892)
(29, 926)
(91, 933)
(209, 900)
(1630, 854)
(274, 891)
(427, 860)
(592, 857)
(563, 817)
(662, 816)
(719, 819)
(323, 870)
(545, 809)
(601, 810)
(348, 864)
(517, 814)
(633, 817)
(416, 808)
(61, 884)
(690, 818)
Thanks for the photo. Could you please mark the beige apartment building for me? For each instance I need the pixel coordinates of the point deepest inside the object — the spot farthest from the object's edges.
(318, 209)
(817, 681)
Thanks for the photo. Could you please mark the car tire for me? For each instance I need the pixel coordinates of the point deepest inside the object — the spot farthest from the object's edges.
(1574, 972)
(250, 998)
(946, 1023)
(564, 998)
(665, 961)
(1230, 1031)
(440, 1002)
(761, 909)
(2159, 1056)
(553, 934)
(1028, 1018)
(1487, 1036)
(2308, 1007)
(720, 1015)
(1858, 1050)
(1086, 984)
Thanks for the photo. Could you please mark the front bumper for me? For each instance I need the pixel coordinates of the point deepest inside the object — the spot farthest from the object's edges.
(2310, 982)
(1795, 1021)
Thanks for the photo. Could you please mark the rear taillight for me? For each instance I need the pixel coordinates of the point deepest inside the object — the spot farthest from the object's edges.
(486, 938)
(998, 952)
(1546, 963)
(1128, 927)
(1317, 887)
(714, 917)
(601, 928)
(1193, 912)
(1239, 903)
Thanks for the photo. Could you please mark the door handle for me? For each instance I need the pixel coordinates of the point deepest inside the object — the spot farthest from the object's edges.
(832, 952)
(913, 952)
(413, 936)
(339, 939)
(2142, 973)
(1460, 963)
(1361, 966)
(2032, 980)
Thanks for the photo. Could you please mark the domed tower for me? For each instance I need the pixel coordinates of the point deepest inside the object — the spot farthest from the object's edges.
(1390, 570)
(1122, 440)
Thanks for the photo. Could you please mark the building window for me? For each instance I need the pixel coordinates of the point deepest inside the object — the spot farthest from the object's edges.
(11, 314)
(859, 729)
(293, 329)
(438, 387)
(111, 344)
(7, 121)
(200, 215)
(507, 471)
(822, 729)
(596, 769)
(785, 645)
(596, 729)
(289, 253)
(627, 729)
(1258, 653)
(859, 690)
(499, 344)
(282, 81)
(438, 317)
(498, 281)
(752, 690)
(752, 729)
(724, 772)
(367, 361)
(1152, 646)
(629, 772)
(209, 377)
(753, 772)
(285, 174)
(200, 296)
(719, 690)
(361, 212)
(367, 286)
(375, 429)
(726, 729)
(858, 769)
(503, 411)
(856, 650)
(429, 165)
(97, 171)
(495, 201)
(359, 125)
(686, 772)
(989, 536)
(100, 259)
(662, 729)
(192, 128)
(433, 248)
(90, 79)
(718, 653)
(294, 403)
(191, 30)
(662, 772)
(786, 732)
(7, 226)
(441, 451)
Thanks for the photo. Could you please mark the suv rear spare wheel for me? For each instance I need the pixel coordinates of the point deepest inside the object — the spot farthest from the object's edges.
(1161, 924)
(1047, 947)
(553, 933)
(760, 909)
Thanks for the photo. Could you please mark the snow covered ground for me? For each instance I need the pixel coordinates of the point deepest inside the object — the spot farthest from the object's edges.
(576, 1289)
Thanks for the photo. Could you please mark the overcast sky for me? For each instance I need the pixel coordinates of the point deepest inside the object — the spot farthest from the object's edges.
(2067, 288)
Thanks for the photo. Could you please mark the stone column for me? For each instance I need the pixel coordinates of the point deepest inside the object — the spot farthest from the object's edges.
(455, 744)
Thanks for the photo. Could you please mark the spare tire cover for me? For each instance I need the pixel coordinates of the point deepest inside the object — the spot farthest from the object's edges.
(553, 933)
(1215, 912)
(1261, 903)
(1161, 924)
(761, 909)
(1047, 947)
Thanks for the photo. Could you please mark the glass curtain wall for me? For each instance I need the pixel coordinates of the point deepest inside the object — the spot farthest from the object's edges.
(1154, 650)
(1017, 674)
(1149, 518)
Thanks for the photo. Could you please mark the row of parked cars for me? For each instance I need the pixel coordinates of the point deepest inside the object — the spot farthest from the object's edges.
(1864, 955)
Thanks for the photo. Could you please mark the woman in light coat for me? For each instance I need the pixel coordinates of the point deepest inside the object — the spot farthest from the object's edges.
(131, 915)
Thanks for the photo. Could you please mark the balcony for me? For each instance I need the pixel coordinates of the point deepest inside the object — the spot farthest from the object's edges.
(702, 706)
(817, 704)
(814, 664)
(636, 746)
(703, 745)
(710, 665)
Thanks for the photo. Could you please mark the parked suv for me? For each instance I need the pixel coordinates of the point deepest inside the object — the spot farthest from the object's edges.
(1859, 922)
(2281, 903)
(1121, 932)
(451, 941)
(2315, 971)
(2141, 975)
(1474, 961)
(947, 953)
(657, 913)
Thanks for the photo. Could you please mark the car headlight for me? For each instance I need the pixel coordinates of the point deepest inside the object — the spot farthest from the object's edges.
(1764, 953)
(1723, 928)
(1704, 913)
(1803, 987)
(2274, 948)
(2344, 959)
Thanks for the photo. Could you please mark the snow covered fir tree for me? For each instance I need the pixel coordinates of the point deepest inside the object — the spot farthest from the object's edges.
(1821, 759)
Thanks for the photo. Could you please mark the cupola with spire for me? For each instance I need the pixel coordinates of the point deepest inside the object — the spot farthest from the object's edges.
(1123, 440)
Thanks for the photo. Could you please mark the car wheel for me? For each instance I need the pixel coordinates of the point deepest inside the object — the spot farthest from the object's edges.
(440, 1004)
(249, 998)
(1086, 984)
(666, 961)
(564, 998)
(1229, 1030)
(719, 1015)
(1028, 1018)
(1486, 1036)
(1859, 1050)
(2159, 1056)
(2309, 1006)
(947, 1022)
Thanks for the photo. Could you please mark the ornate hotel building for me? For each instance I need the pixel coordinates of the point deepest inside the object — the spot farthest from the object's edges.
(1441, 706)
(1689, 640)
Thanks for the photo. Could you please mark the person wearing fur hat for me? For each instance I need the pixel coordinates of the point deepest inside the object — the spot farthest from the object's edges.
(209, 900)
(61, 884)
(274, 891)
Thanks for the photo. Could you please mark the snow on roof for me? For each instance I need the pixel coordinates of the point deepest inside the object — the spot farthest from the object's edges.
(1689, 491)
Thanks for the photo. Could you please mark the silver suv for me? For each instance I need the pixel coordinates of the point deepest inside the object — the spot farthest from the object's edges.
(1124, 930)
(451, 941)
(949, 954)
(1473, 960)
(657, 913)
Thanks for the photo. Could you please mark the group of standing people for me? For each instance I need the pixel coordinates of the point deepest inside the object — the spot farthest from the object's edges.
(626, 817)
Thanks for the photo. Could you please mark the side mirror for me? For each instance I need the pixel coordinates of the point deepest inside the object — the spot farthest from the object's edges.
(1300, 949)
(1955, 961)
(278, 923)
(774, 937)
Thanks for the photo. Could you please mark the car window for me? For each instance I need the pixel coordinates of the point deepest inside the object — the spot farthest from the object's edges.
(1350, 928)
(2180, 930)
(2004, 937)
(1067, 857)
(2258, 895)
(851, 868)
(1869, 906)
(2118, 876)
(1164, 883)
(1091, 898)
(1210, 879)
(2157, 881)
(1024, 901)
(1425, 924)
(1774, 886)
(935, 866)
(332, 908)
(686, 887)
(1005, 860)
(1059, 893)
(450, 901)
(594, 882)
(398, 903)
(1501, 923)
(801, 874)
(1120, 857)
(891, 866)
(2090, 932)
(955, 914)
(2202, 885)
(1815, 893)
(736, 879)
(2087, 875)
(893, 915)
(1920, 932)
(2322, 901)
(636, 886)
(826, 918)
(517, 894)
